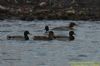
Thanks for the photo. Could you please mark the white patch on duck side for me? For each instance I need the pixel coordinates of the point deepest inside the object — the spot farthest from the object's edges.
(62, 38)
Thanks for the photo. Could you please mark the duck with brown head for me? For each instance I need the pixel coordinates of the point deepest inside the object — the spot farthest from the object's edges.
(69, 27)
(25, 37)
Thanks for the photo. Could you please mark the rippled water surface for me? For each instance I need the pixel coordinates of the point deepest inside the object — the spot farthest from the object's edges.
(86, 46)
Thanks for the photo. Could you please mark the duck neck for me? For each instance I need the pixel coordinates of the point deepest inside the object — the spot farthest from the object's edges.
(26, 37)
(71, 37)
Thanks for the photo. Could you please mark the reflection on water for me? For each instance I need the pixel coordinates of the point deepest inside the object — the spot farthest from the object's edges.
(48, 53)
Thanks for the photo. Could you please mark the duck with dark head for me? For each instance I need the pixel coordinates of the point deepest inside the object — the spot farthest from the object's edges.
(25, 37)
(70, 37)
(49, 37)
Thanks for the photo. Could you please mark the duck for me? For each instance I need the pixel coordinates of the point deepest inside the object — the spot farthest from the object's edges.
(25, 37)
(50, 36)
(69, 27)
(70, 37)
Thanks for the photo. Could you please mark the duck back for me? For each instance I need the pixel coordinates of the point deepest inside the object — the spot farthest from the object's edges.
(40, 38)
(15, 37)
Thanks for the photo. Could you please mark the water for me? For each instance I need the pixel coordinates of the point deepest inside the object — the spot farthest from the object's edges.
(86, 46)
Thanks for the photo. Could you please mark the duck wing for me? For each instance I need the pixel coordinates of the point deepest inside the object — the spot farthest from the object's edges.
(40, 38)
(61, 38)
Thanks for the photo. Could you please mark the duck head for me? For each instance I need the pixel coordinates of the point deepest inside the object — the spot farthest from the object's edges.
(26, 35)
(71, 37)
(72, 24)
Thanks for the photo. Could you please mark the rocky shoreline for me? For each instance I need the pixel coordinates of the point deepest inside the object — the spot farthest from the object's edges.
(28, 13)
(48, 15)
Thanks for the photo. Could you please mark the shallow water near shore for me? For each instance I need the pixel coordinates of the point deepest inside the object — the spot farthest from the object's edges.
(85, 47)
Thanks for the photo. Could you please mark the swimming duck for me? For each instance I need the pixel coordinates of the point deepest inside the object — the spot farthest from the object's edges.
(25, 37)
(70, 37)
(49, 37)
(69, 27)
